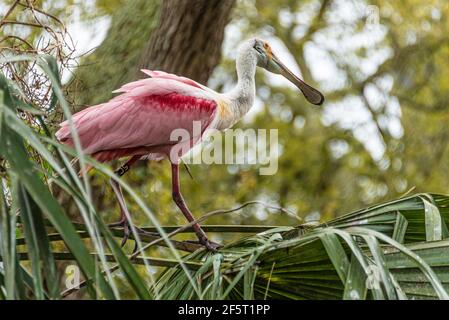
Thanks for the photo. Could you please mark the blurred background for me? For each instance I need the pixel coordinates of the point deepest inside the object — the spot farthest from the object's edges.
(382, 65)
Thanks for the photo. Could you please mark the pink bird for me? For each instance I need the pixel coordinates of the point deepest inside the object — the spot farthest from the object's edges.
(139, 122)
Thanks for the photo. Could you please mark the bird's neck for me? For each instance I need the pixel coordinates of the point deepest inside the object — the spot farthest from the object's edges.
(243, 94)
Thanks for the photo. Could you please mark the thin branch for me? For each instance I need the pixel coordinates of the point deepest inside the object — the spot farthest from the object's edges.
(29, 24)
(175, 232)
(32, 8)
(217, 228)
(9, 12)
(157, 262)
(18, 38)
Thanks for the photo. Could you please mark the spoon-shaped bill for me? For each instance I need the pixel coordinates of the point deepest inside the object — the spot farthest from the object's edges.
(312, 95)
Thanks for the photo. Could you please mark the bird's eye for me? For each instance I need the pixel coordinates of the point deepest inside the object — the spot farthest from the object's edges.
(258, 49)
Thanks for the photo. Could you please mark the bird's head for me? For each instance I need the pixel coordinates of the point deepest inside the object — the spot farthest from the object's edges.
(268, 60)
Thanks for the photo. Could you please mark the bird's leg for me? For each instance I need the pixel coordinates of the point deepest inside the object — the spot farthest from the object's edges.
(179, 200)
(123, 222)
(124, 214)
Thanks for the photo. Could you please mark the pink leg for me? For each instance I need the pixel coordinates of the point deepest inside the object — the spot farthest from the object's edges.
(123, 222)
(179, 200)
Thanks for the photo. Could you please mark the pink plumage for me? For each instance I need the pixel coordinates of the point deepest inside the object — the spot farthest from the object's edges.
(140, 120)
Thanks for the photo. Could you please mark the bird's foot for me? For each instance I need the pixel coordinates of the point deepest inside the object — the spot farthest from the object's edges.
(123, 223)
(127, 230)
(209, 245)
(212, 246)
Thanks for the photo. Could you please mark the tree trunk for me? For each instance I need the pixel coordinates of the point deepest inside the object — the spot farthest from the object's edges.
(177, 36)
(188, 38)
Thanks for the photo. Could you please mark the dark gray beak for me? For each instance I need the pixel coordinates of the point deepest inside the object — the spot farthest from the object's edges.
(312, 95)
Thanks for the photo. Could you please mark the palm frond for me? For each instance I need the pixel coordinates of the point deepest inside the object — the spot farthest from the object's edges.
(356, 256)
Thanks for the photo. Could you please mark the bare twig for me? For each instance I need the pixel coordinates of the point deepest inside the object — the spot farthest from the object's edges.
(158, 262)
(50, 37)
(11, 9)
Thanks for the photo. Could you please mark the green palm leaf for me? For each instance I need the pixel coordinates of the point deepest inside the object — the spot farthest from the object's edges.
(353, 259)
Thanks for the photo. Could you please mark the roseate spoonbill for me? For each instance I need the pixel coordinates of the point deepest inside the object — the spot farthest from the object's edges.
(138, 122)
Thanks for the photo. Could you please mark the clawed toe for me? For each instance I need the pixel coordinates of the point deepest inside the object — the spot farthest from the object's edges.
(126, 230)
(203, 240)
(210, 245)
(126, 234)
(119, 223)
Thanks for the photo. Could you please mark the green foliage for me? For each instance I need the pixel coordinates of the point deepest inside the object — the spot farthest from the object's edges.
(334, 260)
(351, 257)
(402, 239)
(24, 192)
(313, 178)
(326, 166)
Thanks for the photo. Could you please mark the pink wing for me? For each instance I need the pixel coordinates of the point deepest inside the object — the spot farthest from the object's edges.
(165, 75)
(141, 119)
